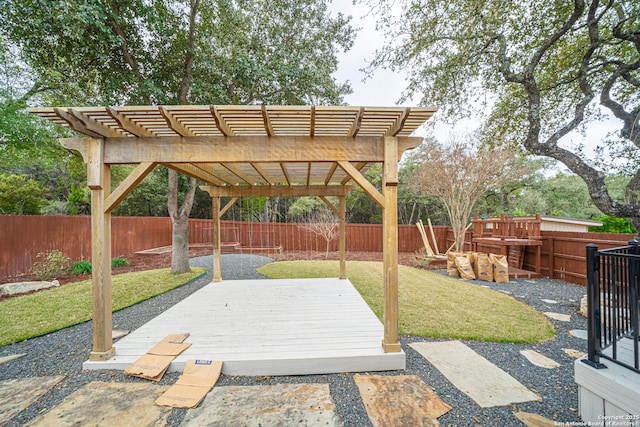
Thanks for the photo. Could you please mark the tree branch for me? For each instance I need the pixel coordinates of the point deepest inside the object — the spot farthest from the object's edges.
(113, 23)
(185, 85)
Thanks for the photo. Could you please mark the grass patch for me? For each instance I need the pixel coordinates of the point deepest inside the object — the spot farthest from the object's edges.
(39, 313)
(433, 305)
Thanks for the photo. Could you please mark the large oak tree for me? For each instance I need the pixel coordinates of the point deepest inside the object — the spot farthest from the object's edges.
(118, 52)
(543, 69)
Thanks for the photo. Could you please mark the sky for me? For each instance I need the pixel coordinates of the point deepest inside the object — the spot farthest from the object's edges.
(384, 88)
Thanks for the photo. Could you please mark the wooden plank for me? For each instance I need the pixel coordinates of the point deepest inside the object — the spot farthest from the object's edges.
(250, 149)
(215, 230)
(363, 183)
(127, 185)
(101, 268)
(306, 326)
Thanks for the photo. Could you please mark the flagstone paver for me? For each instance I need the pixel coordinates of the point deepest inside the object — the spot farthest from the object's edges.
(534, 420)
(106, 404)
(579, 333)
(266, 406)
(539, 359)
(558, 316)
(481, 380)
(400, 400)
(10, 357)
(576, 354)
(17, 394)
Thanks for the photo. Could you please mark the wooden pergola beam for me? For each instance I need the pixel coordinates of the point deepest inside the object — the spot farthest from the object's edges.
(277, 190)
(248, 149)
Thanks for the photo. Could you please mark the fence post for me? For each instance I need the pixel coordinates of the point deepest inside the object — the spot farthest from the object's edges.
(593, 308)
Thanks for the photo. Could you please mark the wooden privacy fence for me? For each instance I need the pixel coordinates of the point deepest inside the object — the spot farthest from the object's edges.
(23, 237)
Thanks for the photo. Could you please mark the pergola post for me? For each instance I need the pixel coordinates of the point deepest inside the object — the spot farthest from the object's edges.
(99, 181)
(343, 237)
(390, 341)
(215, 232)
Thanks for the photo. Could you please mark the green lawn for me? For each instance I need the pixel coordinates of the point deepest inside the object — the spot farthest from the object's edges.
(39, 313)
(433, 305)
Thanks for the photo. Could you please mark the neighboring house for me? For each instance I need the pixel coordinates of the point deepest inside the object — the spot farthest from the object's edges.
(558, 223)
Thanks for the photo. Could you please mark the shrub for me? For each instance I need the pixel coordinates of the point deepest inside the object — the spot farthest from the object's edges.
(81, 267)
(49, 265)
(119, 262)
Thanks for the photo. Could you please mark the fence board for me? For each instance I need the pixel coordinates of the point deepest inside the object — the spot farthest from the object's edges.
(23, 237)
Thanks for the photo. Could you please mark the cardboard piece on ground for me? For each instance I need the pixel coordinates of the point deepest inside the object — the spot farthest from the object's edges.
(400, 400)
(150, 366)
(197, 379)
(172, 345)
(155, 363)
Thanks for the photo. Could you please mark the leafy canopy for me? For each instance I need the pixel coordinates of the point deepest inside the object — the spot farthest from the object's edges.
(542, 71)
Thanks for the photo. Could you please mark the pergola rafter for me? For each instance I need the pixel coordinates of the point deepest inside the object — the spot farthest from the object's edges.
(242, 151)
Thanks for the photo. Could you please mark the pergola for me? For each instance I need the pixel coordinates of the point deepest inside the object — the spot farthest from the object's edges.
(242, 151)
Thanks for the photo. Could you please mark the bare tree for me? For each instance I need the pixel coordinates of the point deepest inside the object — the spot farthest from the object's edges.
(324, 224)
(459, 174)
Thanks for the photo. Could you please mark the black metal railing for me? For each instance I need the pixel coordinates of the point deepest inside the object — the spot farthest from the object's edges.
(613, 304)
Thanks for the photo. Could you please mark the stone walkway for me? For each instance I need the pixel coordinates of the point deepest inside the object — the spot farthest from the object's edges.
(389, 400)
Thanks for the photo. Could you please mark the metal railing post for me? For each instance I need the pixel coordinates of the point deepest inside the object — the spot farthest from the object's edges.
(634, 304)
(593, 308)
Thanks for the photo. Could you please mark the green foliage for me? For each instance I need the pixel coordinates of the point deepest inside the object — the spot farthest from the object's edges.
(613, 225)
(49, 265)
(81, 267)
(79, 201)
(536, 73)
(20, 195)
(84, 267)
(119, 262)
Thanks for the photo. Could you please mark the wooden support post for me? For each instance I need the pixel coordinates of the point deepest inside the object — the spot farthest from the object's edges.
(215, 231)
(99, 181)
(390, 342)
(343, 237)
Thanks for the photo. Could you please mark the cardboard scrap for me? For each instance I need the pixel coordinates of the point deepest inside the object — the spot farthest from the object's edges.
(155, 363)
(197, 379)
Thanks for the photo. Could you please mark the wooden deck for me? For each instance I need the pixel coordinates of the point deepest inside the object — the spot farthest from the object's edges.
(269, 327)
(610, 392)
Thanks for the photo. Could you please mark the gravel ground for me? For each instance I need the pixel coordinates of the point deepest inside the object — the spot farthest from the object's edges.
(62, 353)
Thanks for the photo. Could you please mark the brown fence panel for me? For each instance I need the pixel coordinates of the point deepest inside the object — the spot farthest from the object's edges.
(22, 238)
(564, 253)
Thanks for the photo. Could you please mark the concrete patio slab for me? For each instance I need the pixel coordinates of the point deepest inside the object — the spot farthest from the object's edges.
(266, 406)
(481, 380)
(400, 400)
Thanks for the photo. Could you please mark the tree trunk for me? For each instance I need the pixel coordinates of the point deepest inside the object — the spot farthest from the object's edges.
(180, 223)
(180, 244)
